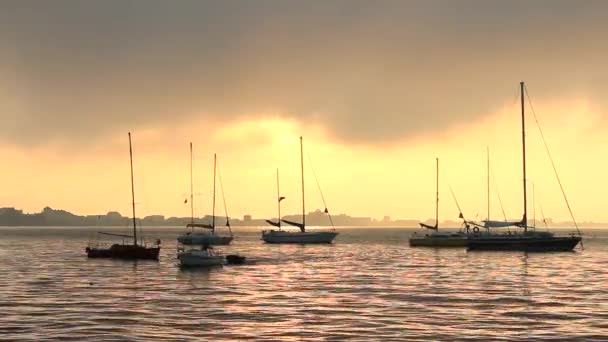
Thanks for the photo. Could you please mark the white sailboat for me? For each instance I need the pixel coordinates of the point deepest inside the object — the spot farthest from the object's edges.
(303, 236)
(208, 235)
(203, 257)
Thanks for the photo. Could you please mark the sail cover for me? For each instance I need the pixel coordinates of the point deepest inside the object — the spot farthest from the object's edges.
(427, 226)
(295, 224)
(199, 225)
(500, 224)
(276, 224)
(113, 234)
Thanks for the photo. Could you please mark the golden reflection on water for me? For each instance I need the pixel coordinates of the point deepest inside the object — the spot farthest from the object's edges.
(369, 285)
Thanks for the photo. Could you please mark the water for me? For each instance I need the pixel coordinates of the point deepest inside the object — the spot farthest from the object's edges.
(369, 285)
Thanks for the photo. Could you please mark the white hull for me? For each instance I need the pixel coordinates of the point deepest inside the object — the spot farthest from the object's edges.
(204, 239)
(275, 236)
(195, 259)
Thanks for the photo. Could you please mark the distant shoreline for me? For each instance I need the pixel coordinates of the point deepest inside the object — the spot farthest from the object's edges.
(48, 217)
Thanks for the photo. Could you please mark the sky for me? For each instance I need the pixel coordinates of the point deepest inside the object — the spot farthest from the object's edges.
(378, 90)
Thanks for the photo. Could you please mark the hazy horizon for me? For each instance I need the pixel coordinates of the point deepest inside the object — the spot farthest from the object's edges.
(378, 90)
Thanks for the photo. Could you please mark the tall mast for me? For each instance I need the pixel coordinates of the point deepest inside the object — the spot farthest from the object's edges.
(437, 194)
(132, 193)
(191, 190)
(302, 173)
(214, 174)
(534, 205)
(523, 144)
(488, 180)
(279, 199)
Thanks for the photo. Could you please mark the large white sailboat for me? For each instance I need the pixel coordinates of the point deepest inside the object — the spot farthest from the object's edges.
(303, 236)
(208, 234)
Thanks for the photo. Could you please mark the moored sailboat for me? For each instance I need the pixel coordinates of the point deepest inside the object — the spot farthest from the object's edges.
(436, 238)
(303, 236)
(200, 257)
(132, 251)
(208, 235)
(529, 240)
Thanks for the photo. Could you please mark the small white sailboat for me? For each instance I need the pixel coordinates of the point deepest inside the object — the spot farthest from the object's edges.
(209, 235)
(203, 257)
(303, 236)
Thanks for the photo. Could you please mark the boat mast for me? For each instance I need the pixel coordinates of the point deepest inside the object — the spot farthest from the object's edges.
(214, 174)
(302, 175)
(191, 191)
(534, 206)
(523, 144)
(132, 193)
(278, 199)
(488, 180)
(437, 194)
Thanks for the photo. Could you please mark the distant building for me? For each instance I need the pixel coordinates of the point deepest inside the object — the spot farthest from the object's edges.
(246, 218)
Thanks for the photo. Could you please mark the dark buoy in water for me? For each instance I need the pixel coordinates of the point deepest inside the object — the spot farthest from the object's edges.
(234, 259)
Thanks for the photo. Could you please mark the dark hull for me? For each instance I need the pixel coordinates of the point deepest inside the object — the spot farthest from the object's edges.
(522, 243)
(126, 252)
(234, 259)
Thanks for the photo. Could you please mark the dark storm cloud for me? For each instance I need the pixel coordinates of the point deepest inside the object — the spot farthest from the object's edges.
(368, 71)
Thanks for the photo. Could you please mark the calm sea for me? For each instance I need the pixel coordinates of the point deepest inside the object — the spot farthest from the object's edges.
(369, 285)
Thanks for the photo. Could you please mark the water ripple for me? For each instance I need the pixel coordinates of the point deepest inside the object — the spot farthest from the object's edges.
(370, 285)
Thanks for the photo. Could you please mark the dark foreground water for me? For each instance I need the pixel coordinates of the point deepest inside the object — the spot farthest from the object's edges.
(369, 285)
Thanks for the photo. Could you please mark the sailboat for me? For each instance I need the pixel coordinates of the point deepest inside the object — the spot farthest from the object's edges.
(303, 236)
(437, 238)
(132, 251)
(530, 240)
(208, 236)
(279, 200)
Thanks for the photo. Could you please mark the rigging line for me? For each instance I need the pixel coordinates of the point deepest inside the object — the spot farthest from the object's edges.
(219, 176)
(460, 215)
(553, 164)
(497, 192)
(320, 191)
(542, 214)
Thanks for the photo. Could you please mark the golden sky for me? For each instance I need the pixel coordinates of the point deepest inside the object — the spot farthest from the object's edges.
(377, 89)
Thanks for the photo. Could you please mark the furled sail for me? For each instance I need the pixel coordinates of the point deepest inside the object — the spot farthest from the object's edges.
(199, 225)
(276, 224)
(500, 224)
(295, 224)
(113, 234)
(427, 226)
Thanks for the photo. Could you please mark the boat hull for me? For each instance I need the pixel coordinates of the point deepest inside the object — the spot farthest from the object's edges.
(188, 259)
(205, 239)
(274, 236)
(126, 252)
(424, 241)
(524, 243)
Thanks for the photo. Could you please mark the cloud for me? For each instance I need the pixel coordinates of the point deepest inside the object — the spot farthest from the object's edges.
(368, 72)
